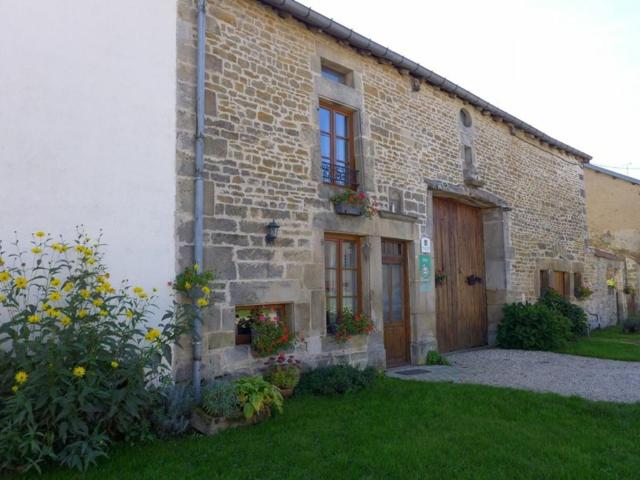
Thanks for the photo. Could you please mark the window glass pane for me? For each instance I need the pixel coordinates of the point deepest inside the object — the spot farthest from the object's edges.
(326, 171)
(349, 283)
(333, 75)
(330, 283)
(330, 254)
(341, 151)
(341, 125)
(351, 303)
(349, 255)
(332, 313)
(325, 120)
(325, 145)
(396, 293)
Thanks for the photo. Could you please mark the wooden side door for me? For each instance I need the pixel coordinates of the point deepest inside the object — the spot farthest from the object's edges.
(395, 312)
(461, 305)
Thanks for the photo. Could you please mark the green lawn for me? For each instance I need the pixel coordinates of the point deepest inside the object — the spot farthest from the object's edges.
(608, 343)
(404, 430)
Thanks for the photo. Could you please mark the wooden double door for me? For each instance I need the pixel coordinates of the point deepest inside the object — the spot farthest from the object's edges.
(461, 305)
(395, 301)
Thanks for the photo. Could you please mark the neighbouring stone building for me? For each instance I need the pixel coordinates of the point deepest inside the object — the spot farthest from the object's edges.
(613, 203)
(477, 208)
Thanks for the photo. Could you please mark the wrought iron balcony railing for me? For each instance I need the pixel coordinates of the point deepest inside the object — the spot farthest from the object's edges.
(337, 174)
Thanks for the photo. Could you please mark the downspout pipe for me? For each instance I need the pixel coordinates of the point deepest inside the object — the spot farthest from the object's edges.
(198, 247)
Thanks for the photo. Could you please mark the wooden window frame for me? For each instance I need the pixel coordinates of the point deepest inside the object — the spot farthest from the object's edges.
(339, 239)
(350, 164)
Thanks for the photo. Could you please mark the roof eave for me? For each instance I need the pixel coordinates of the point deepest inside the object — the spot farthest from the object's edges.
(340, 32)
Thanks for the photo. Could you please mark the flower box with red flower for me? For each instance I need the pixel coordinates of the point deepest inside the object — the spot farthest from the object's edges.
(354, 203)
(270, 333)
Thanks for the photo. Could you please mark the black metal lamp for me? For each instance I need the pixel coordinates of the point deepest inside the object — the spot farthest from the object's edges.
(272, 232)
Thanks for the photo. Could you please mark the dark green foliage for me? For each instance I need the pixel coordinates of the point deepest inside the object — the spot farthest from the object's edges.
(172, 410)
(434, 358)
(631, 324)
(220, 399)
(336, 379)
(78, 357)
(533, 327)
(555, 301)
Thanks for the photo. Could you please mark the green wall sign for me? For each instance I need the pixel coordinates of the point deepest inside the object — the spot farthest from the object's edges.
(424, 267)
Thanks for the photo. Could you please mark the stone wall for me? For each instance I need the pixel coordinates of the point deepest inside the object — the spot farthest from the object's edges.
(606, 306)
(263, 85)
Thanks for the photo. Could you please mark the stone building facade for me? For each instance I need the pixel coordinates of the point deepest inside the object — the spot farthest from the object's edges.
(415, 146)
(613, 202)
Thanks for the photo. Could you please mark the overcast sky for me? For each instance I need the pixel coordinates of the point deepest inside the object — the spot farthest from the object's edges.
(570, 68)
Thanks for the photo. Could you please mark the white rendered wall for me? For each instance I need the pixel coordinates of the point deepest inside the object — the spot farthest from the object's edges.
(87, 127)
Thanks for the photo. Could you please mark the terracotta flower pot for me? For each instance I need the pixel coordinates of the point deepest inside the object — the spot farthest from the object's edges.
(286, 392)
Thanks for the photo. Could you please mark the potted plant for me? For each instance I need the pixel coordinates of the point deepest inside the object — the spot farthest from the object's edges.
(269, 333)
(628, 290)
(583, 292)
(349, 324)
(283, 372)
(440, 277)
(611, 283)
(224, 404)
(218, 409)
(257, 397)
(354, 203)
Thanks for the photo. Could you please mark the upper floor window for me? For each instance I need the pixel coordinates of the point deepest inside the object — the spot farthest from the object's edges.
(334, 75)
(336, 146)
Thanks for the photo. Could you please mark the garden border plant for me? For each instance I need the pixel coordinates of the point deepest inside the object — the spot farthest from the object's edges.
(82, 365)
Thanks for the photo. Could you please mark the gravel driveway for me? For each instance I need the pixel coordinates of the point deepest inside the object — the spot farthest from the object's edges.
(591, 378)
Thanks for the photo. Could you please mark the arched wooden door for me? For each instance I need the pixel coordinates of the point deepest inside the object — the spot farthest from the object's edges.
(461, 304)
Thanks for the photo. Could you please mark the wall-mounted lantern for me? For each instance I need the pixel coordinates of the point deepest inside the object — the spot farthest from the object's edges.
(272, 232)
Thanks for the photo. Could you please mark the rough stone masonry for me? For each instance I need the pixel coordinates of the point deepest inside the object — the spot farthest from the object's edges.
(262, 155)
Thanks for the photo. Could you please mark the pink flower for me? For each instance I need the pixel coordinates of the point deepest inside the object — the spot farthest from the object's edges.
(362, 195)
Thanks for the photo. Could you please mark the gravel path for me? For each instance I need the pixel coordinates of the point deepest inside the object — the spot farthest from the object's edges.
(591, 378)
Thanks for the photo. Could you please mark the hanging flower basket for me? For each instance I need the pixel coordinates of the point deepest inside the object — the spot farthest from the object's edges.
(354, 203)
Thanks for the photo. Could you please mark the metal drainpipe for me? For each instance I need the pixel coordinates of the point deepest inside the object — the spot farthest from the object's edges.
(199, 192)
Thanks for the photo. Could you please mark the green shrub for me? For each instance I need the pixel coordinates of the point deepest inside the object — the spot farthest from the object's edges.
(336, 379)
(77, 355)
(220, 399)
(631, 324)
(577, 316)
(256, 395)
(171, 413)
(533, 327)
(434, 358)
(283, 371)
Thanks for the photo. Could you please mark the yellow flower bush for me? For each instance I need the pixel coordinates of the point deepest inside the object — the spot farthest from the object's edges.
(152, 334)
(70, 339)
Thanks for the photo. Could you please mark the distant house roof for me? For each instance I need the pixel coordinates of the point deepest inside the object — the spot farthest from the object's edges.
(613, 174)
(318, 21)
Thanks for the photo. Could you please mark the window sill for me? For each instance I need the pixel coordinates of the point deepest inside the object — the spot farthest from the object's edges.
(400, 217)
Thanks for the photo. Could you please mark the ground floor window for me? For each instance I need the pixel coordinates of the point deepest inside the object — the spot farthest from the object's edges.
(559, 281)
(248, 313)
(342, 277)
